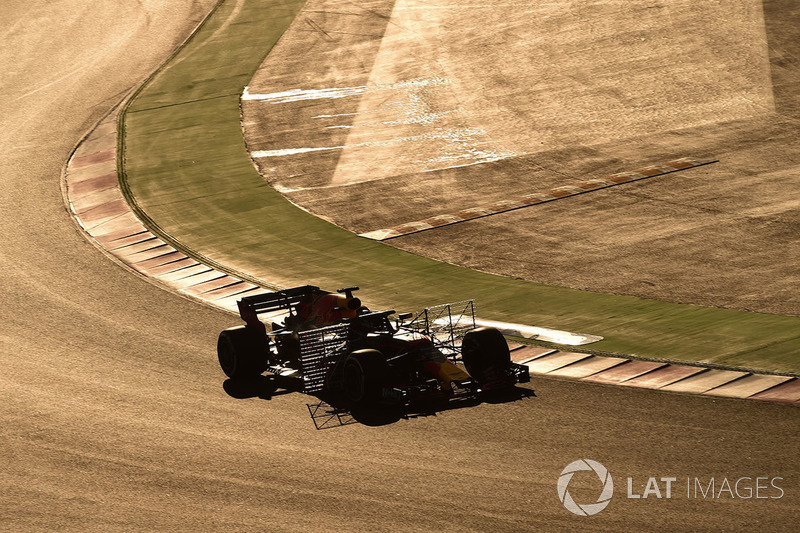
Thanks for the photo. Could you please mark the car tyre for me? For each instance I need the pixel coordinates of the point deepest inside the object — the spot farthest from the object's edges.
(484, 352)
(365, 374)
(242, 353)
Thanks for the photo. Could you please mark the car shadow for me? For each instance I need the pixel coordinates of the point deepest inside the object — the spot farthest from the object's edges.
(507, 395)
(262, 387)
(331, 411)
(382, 415)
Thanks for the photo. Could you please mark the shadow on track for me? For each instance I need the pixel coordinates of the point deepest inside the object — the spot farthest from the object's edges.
(332, 411)
(262, 387)
(383, 415)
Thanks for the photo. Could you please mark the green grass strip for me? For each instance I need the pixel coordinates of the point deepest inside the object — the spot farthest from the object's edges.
(187, 173)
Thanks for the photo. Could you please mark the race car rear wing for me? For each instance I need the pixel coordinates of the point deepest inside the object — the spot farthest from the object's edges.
(251, 306)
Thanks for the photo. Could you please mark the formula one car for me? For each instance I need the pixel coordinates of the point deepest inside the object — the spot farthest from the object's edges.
(338, 348)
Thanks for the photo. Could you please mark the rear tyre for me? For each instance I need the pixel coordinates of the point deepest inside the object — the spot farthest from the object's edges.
(365, 374)
(242, 353)
(485, 354)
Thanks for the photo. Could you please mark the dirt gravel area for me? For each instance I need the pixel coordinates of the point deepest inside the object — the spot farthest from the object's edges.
(439, 107)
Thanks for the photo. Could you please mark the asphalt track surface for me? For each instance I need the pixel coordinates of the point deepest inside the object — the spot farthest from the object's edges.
(116, 417)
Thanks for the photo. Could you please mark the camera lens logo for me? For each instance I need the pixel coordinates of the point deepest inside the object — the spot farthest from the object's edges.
(587, 509)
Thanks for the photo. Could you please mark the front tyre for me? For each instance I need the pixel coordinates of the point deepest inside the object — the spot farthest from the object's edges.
(485, 354)
(242, 353)
(365, 374)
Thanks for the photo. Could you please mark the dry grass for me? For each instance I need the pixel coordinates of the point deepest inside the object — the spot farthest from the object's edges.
(531, 97)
